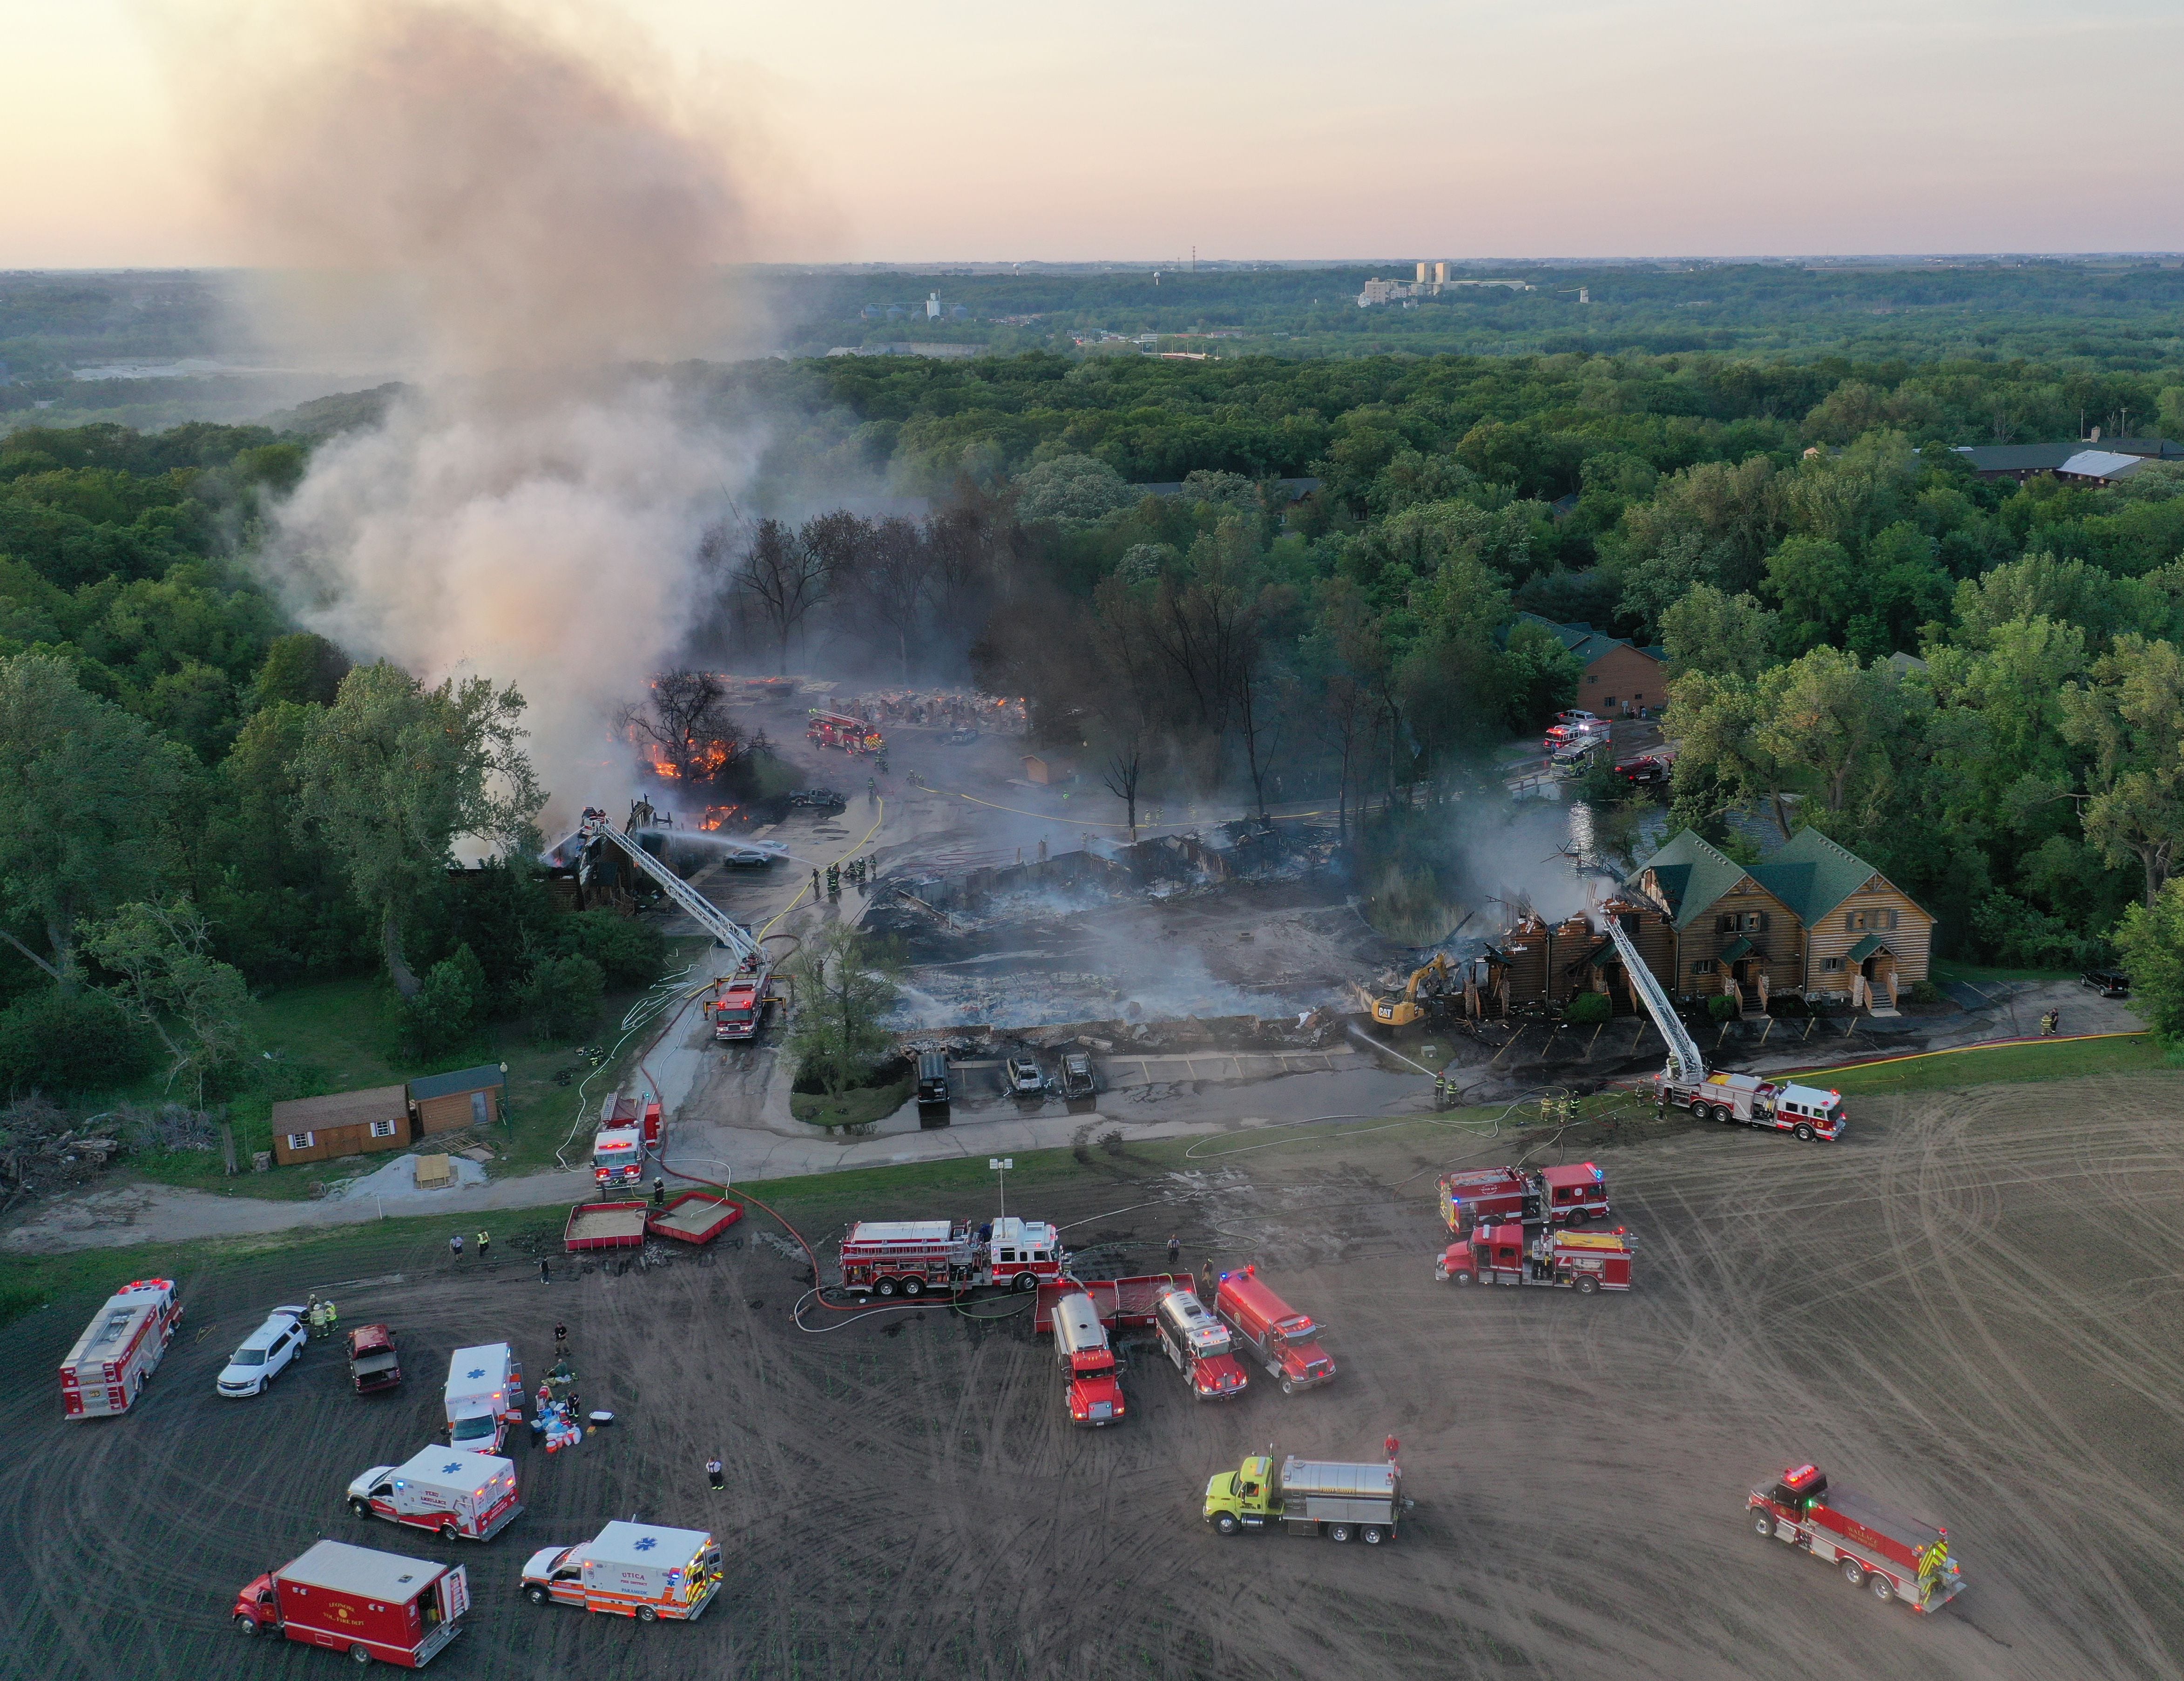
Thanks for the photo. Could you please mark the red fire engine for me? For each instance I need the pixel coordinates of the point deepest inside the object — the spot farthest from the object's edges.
(1200, 1345)
(737, 1009)
(1093, 1389)
(1873, 1546)
(1286, 1342)
(623, 1140)
(1583, 1261)
(1561, 1196)
(119, 1349)
(839, 729)
(909, 1257)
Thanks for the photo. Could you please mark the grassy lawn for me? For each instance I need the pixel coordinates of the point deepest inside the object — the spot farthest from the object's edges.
(858, 1107)
(338, 1036)
(1944, 1070)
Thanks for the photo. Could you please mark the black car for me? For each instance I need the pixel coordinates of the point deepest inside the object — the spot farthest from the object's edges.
(2109, 983)
(818, 799)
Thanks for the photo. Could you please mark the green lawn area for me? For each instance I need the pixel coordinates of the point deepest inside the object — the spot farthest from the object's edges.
(2065, 1060)
(336, 1036)
(858, 1107)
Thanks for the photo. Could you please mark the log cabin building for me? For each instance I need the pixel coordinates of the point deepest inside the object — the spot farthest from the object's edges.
(1814, 919)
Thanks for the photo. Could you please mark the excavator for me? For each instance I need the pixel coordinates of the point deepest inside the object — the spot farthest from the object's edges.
(1428, 988)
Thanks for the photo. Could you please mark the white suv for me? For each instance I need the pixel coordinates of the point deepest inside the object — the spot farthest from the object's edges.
(264, 1353)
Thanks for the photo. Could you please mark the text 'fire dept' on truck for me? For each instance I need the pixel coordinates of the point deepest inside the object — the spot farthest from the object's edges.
(890, 1258)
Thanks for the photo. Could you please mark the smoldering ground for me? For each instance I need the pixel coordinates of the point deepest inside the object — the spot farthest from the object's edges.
(534, 186)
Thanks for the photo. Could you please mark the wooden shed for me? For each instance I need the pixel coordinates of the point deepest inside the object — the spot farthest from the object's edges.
(341, 1124)
(447, 1102)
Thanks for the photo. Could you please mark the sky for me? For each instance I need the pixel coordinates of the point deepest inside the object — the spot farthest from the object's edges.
(1380, 129)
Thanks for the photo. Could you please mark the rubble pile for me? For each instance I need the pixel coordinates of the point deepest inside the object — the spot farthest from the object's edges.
(43, 1148)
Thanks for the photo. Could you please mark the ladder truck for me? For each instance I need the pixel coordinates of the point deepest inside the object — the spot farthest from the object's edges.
(614, 1161)
(1805, 1112)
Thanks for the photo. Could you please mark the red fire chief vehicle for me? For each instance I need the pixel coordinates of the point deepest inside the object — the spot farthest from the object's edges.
(1876, 1546)
(1583, 1261)
(890, 1258)
(1200, 1345)
(1575, 1195)
(370, 1605)
(1092, 1388)
(1285, 1341)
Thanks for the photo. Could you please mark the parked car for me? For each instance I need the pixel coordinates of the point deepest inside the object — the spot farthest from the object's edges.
(2109, 983)
(264, 1353)
(1077, 1080)
(747, 857)
(818, 799)
(1026, 1078)
(1576, 715)
(1648, 770)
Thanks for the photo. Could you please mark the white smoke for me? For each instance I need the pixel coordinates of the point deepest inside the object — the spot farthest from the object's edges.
(531, 180)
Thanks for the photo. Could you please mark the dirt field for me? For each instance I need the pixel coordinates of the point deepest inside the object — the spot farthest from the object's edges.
(1970, 1307)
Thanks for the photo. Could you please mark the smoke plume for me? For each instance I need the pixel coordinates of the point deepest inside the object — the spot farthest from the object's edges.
(530, 509)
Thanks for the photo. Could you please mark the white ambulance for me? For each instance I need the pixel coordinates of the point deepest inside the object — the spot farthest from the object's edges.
(484, 1396)
(463, 1495)
(637, 1570)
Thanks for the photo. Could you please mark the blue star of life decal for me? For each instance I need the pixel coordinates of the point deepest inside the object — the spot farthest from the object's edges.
(478, 1372)
(451, 1468)
(648, 1543)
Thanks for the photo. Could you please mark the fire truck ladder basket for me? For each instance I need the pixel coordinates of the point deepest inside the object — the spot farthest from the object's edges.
(1685, 1061)
(724, 929)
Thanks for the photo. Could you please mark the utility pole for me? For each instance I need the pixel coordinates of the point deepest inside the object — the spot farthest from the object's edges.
(1001, 1165)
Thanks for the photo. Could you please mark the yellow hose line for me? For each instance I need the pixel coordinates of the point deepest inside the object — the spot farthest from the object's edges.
(1984, 1045)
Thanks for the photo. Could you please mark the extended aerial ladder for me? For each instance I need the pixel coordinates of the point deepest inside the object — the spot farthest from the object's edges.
(1686, 1067)
(725, 929)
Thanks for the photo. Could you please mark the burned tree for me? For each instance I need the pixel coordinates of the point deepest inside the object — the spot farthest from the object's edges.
(892, 583)
(684, 727)
(789, 576)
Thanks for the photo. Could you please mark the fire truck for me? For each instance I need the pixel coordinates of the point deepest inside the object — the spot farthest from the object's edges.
(1875, 1546)
(624, 1139)
(888, 1258)
(839, 729)
(1574, 1195)
(1200, 1345)
(119, 1349)
(1285, 1341)
(1092, 1387)
(1583, 1261)
(1309, 1497)
(737, 1009)
(370, 1605)
(1804, 1112)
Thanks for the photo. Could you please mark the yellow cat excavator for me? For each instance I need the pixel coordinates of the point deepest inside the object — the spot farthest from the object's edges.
(1427, 986)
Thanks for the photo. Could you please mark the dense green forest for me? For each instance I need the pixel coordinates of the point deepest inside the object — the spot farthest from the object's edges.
(190, 806)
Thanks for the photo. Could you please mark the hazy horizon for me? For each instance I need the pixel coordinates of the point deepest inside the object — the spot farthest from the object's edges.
(1696, 131)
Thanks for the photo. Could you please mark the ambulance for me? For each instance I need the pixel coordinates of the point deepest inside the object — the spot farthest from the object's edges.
(483, 1397)
(464, 1496)
(639, 1570)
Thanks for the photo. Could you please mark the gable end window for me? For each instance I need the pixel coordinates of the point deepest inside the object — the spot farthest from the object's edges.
(299, 1141)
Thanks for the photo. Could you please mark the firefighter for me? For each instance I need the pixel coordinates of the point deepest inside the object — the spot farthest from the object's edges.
(1174, 1248)
(315, 1318)
(485, 1243)
(659, 1192)
(545, 1272)
(1391, 1444)
(714, 1474)
(332, 1317)
(815, 886)
(833, 882)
